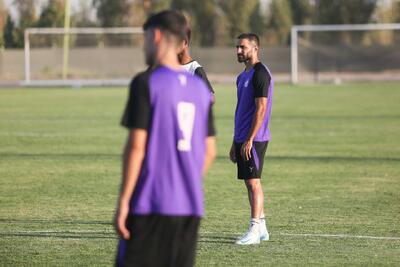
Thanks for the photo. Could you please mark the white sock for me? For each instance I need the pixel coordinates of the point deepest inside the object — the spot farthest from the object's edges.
(254, 224)
(263, 222)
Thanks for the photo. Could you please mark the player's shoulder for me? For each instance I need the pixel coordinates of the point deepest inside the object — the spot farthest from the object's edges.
(191, 66)
(261, 72)
(193, 78)
(194, 64)
(261, 69)
(140, 79)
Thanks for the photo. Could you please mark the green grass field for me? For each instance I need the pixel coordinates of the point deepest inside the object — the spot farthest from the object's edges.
(333, 168)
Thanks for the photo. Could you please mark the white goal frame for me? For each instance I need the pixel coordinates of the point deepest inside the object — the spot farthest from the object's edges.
(326, 28)
(62, 31)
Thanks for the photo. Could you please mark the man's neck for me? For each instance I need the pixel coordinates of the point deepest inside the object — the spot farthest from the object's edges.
(170, 60)
(186, 58)
(250, 63)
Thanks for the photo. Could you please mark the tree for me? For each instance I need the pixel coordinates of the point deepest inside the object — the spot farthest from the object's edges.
(345, 12)
(202, 19)
(26, 12)
(257, 21)
(112, 13)
(397, 7)
(280, 21)
(152, 6)
(3, 19)
(52, 14)
(206, 19)
(27, 18)
(83, 17)
(10, 33)
(238, 13)
(302, 11)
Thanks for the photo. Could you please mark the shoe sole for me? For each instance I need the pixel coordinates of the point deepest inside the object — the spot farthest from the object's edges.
(247, 244)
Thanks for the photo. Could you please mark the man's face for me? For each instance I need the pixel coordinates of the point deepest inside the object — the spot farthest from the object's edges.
(245, 50)
(150, 48)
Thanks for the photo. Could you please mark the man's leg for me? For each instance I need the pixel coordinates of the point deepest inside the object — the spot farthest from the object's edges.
(251, 191)
(256, 197)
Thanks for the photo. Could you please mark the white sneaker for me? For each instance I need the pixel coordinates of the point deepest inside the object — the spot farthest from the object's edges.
(264, 235)
(252, 236)
(249, 238)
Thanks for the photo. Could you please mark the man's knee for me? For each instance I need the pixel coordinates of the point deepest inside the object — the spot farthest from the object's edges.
(253, 185)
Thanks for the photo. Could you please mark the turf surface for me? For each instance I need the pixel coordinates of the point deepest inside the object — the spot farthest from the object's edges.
(333, 167)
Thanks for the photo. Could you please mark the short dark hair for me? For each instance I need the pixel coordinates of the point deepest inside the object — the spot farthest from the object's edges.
(250, 36)
(170, 21)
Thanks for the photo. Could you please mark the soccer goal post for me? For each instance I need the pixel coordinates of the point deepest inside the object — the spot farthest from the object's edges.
(97, 56)
(336, 52)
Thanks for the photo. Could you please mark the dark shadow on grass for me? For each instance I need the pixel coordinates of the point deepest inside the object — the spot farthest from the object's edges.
(66, 235)
(102, 235)
(325, 158)
(59, 155)
(73, 222)
(204, 238)
(221, 157)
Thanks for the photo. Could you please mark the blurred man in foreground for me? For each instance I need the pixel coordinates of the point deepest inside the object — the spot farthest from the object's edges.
(170, 145)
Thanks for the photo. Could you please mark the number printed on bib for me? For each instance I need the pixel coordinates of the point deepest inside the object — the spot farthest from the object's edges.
(186, 115)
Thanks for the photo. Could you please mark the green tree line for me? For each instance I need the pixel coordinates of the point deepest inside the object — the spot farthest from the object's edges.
(214, 22)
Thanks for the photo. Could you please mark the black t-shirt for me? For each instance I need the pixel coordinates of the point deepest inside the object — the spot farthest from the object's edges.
(137, 114)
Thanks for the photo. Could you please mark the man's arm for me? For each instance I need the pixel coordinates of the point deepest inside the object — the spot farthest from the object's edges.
(211, 149)
(211, 153)
(232, 153)
(137, 119)
(133, 156)
(261, 108)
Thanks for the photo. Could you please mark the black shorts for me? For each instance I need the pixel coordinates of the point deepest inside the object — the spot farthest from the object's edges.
(159, 241)
(250, 169)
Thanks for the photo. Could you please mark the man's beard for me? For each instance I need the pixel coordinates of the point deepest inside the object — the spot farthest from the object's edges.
(242, 58)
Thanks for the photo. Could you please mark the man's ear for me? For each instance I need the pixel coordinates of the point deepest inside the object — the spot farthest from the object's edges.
(157, 35)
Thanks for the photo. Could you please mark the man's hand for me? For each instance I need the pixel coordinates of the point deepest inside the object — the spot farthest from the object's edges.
(120, 221)
(245, 150)
(232, 154)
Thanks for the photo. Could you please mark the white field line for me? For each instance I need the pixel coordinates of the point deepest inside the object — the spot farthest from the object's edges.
(344, 236)
(44, 232)
(318, 235)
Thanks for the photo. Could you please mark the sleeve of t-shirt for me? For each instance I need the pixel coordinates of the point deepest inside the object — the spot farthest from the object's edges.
(138, 109)
(202, 74)
(211, 125)
(261, 81)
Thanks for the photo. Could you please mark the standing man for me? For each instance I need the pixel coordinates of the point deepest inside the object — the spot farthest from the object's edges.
(188, 63)
(170, 145)
(251, 137)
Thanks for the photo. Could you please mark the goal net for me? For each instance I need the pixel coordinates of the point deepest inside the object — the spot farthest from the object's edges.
(91, 57)
(336, 53)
